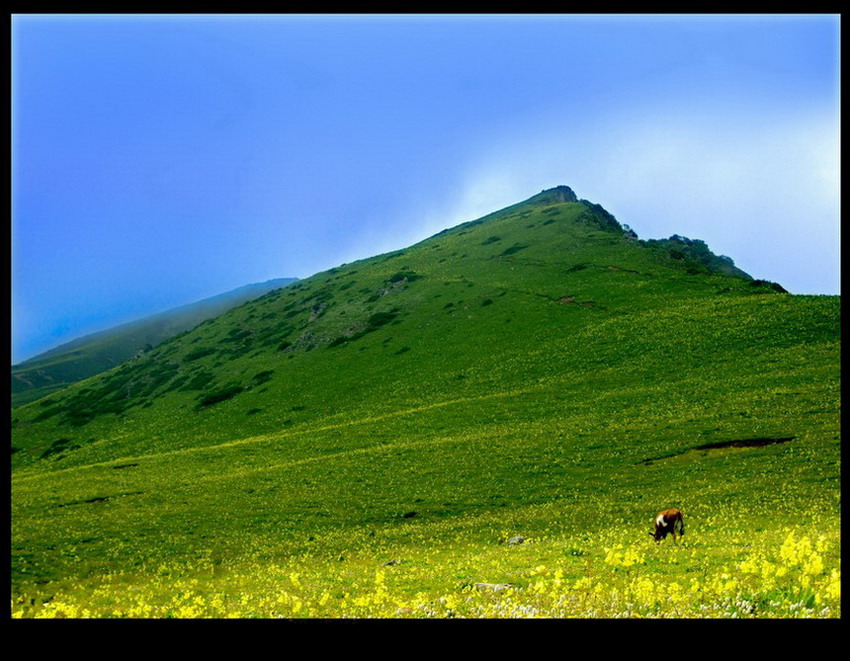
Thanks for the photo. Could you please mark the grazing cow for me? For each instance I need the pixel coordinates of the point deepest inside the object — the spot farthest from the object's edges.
(668, 522)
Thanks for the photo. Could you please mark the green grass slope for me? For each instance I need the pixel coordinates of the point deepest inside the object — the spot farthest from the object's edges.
(97, 352)
(363, 442)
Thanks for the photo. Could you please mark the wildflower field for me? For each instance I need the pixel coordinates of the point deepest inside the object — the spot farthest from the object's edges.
(483, 425)
(723, 572)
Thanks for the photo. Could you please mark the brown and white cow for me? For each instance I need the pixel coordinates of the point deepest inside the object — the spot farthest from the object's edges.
(669, 522)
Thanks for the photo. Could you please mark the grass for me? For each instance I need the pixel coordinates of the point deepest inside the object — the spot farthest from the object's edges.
(443, 426)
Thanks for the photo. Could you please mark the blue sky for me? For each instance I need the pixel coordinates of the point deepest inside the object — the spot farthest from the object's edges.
(158, 160)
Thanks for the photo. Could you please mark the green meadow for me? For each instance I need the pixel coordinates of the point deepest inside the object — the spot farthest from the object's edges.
(484, 424)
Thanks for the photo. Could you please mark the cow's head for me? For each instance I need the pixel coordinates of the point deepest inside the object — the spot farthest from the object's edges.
(661, 528)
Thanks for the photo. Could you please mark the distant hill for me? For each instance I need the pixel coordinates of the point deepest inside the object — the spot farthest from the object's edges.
(97, 352)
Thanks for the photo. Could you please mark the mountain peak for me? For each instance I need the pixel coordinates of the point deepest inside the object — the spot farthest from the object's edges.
(557, 195)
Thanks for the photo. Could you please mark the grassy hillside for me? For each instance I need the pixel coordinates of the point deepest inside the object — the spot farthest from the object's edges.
(365, 442)
(89, 355)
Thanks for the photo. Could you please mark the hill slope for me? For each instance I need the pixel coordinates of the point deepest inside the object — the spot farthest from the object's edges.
(515, 375)
(97, 352)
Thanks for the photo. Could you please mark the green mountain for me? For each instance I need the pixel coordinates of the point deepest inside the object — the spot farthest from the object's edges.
(97, 352)
(366, 441)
